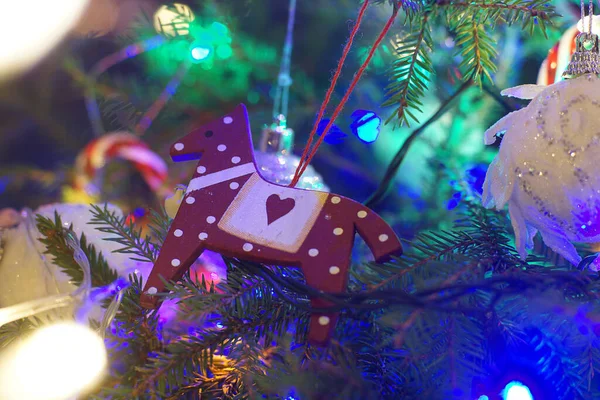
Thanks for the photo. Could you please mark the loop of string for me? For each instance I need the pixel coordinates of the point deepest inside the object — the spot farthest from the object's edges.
(284, 80)
(337, 74)
(590, 15)
(309, 153)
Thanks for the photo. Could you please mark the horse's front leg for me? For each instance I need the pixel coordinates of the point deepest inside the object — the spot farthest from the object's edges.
(182, 246)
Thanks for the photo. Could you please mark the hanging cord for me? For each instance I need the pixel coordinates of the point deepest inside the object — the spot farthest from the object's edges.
(104, 64)
(334, 80)
(128, 52)
(582, 15)
(590, 15)
(308, 156)
(284, 80)
(156, 107)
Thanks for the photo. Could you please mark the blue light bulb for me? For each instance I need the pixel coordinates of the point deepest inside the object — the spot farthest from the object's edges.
(200, 53)
(516, 391)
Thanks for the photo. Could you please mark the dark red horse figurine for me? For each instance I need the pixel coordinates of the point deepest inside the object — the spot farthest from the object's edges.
(230, 209)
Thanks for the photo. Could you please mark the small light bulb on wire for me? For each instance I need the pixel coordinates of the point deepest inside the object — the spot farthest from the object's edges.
(199, 52)
(54, 363)
(516, 391)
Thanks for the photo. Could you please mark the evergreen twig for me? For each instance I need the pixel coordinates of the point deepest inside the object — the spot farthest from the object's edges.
(126, 235)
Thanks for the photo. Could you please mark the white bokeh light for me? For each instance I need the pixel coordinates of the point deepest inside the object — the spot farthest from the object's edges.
(54, 363)
(28, 39)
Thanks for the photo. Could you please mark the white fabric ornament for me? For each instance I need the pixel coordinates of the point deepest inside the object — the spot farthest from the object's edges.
(547, 166)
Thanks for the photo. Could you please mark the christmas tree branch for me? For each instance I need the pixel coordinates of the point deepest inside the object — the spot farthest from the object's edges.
(127, 236)
(195, 352)
(529, 13)
(56, 245)
(476, 48)
(410, 73)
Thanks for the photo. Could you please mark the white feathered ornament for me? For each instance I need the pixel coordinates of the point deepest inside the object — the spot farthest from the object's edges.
(548, 166)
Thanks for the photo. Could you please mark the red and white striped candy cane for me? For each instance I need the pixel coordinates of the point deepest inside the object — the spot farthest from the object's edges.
(119, 145)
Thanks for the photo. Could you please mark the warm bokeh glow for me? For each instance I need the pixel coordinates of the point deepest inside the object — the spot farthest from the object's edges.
(173, 20)
(55, 363)
(33, 29)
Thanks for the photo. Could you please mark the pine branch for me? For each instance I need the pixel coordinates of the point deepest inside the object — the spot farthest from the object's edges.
(16, 330)
(476, 47)
(135, 337)
(54, 239)
(119, 111)
(530, 13)
(126, 235)
(410, 74)
(159, 224)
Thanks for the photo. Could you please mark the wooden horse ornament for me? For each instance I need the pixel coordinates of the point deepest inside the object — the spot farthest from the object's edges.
(230, 209)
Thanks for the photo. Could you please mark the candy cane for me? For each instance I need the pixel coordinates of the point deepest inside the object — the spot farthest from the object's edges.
(119, 145)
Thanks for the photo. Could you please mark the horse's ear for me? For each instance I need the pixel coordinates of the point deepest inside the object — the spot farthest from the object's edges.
(240, 114)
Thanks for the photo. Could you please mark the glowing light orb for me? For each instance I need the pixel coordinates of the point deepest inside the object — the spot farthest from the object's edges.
(173, 20)
(55, 363)
(516, 391)
(199, 53)
(26, 43)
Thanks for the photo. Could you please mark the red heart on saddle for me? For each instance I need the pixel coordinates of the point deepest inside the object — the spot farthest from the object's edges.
(277, 208)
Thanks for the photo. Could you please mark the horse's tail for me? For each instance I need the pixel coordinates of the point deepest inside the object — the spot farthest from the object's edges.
(378, 235)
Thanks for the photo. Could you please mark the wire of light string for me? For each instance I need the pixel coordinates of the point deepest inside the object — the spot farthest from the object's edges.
(284, 80)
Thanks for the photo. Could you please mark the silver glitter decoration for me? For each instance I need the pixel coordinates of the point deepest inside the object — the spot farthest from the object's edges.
(547, 166)
(276, 162)
(586, 58)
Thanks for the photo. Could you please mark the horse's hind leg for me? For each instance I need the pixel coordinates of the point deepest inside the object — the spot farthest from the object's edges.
(329, 274)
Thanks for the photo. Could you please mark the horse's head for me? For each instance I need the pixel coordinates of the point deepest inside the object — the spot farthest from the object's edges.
(231, 131)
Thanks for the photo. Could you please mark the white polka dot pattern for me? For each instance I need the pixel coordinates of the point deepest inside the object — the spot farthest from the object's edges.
(227, 120)
(221, 147)
(152, 290)
(313, 252)
(179, 146)
(178, 233)
(323, 320)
